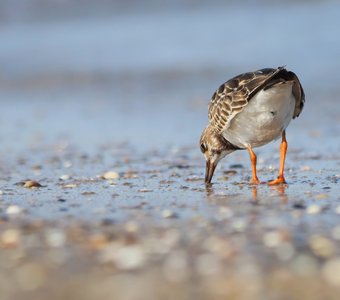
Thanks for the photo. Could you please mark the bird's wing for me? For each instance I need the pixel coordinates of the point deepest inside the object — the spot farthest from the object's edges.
(298, 93)
(232, 96)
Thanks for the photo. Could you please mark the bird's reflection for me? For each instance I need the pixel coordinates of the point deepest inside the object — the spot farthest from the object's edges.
(209, 190)
(281, 190)
(255, 192)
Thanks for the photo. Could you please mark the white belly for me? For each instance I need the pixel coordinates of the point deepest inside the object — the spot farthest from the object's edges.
(264, 118)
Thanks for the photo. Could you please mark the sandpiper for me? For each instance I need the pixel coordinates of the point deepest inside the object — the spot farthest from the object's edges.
(249, 111)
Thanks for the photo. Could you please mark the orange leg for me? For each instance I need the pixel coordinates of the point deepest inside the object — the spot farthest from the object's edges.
(283, 150)
(253, 160)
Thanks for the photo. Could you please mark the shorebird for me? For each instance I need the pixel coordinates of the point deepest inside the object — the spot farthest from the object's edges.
(249, 111)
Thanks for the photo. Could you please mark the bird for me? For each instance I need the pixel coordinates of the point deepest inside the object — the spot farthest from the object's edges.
(248, 111)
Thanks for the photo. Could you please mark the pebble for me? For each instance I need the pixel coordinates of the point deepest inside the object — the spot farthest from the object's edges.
(67, 164)
(125, 258)
(98, 241)
(168, 214)
(10, 238)
(331, 272)
(13, 210)
(65, 177)
(239, 225)
(31, 184)
(55, 238)
(313, 209)
(337, 209)
(321, 246)
(225, 212)
(110, 175)
(69, 186)
(131, 227)
(321, 196)
(272, 239)
(144, 190)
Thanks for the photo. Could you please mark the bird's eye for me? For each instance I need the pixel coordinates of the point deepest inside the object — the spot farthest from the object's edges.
(203, 148)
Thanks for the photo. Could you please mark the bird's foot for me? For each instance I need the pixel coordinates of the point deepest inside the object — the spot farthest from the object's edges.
(256, 181)
(278, 180)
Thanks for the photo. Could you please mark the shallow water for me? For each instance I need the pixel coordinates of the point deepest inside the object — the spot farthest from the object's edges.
(125, 88)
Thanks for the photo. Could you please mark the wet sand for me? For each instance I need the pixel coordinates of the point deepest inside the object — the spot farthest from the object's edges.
(101, 183)
(134, 225)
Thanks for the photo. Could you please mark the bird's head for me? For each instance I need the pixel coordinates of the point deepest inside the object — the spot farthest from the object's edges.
(214, 147)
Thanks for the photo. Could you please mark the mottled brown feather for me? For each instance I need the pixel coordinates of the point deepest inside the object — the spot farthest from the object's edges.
(232, 96)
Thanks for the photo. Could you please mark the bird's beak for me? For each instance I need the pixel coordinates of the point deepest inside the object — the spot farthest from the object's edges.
(209, 171)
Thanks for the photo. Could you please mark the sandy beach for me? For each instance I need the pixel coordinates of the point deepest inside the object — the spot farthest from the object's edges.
(101, 185)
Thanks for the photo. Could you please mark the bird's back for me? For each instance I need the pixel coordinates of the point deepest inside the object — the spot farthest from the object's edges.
(234, 95)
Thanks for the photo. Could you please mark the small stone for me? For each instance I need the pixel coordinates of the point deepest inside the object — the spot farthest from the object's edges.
(145, 190)
(110, 175)
(225, 212)
(331, 271)
(1, 192)
(98, 241)
(321, 246)
(131, 227)
(168, 214)
(69, 186)
(125, 258)
(10, 238)
(272, 239)
(321, 196)
(313, 209)
(337, 209)
(305, 168)
(13, 210)
(88, 193)
(31, 184)
(65, 177)
(67, 164)
(239, 225)
(55, 238)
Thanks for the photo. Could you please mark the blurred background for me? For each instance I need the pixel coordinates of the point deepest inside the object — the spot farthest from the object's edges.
(108, 71)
